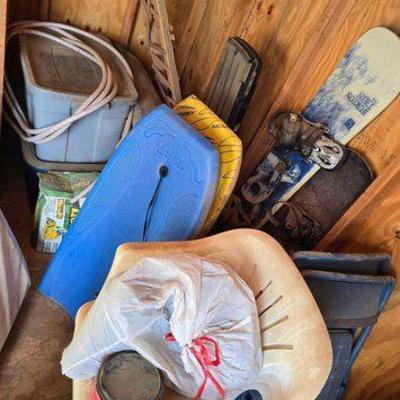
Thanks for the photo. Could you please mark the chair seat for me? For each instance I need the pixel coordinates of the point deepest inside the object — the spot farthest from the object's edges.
(297, 354)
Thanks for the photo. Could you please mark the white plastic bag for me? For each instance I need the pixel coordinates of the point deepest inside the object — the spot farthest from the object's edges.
(180, 312)
(14, 279)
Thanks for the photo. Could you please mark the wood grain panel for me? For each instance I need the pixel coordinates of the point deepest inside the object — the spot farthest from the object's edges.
(44, 10)
(186, 22)
(372, 224)
(96, 15)
(222, 20)
(278, 31)
(139, 40)
(129, 20)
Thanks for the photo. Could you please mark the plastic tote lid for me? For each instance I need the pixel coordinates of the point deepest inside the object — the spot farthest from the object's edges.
(126, 375)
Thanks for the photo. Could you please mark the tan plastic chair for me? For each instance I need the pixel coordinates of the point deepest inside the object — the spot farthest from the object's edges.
(296, 346)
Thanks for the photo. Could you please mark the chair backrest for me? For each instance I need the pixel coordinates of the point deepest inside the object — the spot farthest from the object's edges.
(349, 301)
(347, 263)
(297, 355)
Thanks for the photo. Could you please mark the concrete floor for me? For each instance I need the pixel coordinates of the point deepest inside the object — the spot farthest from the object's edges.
(30, 361)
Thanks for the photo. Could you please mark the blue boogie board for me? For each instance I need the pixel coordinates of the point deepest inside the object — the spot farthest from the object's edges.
(158, 186)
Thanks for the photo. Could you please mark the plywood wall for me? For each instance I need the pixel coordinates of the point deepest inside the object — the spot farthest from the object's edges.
(299, 41)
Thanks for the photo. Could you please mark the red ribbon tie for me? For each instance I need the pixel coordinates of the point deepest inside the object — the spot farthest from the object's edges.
(206, 351)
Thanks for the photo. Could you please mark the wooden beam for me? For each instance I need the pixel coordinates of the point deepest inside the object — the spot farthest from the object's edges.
(186, 40)
(44, 10)
(103, 16)
(166, 44)
(161, 43)
(3, 23)
(129, 20)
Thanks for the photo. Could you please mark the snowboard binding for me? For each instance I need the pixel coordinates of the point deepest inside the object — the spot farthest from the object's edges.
(293, 227)
(312, 140)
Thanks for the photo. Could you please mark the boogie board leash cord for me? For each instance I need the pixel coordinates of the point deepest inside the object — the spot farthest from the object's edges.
(163, 172)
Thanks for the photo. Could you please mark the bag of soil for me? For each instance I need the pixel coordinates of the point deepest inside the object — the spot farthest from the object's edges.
(61, 196)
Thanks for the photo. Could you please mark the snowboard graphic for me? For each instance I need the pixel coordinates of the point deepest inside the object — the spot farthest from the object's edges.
(364, 83)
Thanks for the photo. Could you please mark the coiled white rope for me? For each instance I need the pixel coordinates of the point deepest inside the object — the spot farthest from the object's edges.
(102, 95)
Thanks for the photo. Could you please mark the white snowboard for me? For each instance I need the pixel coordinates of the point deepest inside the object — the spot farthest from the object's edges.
(365, 82)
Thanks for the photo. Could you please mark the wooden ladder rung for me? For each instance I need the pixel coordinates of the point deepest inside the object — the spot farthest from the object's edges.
(157, 49)
(160, 76)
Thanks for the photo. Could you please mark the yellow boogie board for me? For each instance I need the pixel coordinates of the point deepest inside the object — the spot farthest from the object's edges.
(229, 146)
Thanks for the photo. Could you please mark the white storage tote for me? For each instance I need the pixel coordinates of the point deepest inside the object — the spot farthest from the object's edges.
(57, 81)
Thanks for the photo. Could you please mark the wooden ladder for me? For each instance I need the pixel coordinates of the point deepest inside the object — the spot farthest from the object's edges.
(162, 52)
